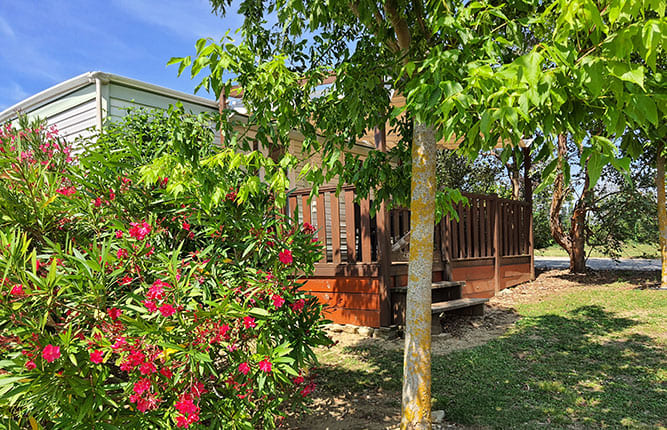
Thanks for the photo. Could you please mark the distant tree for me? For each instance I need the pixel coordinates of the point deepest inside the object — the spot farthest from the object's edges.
(484, 175)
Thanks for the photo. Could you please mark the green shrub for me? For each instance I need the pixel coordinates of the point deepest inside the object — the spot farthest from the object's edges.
(156, 306)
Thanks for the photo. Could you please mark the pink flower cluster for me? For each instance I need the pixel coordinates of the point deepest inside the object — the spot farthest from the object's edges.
(139, 231)
(156, 293)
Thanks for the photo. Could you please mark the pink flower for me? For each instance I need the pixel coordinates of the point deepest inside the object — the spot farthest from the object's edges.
(298, 305)
(112, 195)
(142, 385)
(308, 389)
(114, 313)
(186, 226)
(66, 191)
(167, 310)
(244, 368)
(149, 402)
(17, 290)
(249, 322)
(119, 234)
(139, 231)
(186, 406)
(120, 342)
(298, 380)
(147, 368)
(308, 228)
(96, 356)
(265, 365)
(182, 422)
(97, 202)
(285, 257)
(127, 279)
(278, 300)
(166, 372)
(121, 253)
(150, 305)
(156, 291)
(51, 353)
(30, 365)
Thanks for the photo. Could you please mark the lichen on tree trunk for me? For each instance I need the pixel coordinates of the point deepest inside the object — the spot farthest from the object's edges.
(417, 356)
(662, 210)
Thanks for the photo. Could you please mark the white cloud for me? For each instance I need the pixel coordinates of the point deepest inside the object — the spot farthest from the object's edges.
(188, 20)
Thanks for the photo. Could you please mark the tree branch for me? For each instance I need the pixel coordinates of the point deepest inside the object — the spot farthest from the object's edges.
(387, 39)
(399, 24)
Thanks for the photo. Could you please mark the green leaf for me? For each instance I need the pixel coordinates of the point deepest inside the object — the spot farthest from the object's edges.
(595, 164)
(630, 73)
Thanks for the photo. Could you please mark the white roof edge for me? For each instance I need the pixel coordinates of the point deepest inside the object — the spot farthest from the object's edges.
(50, 93)
(88, 78)
(157, 89)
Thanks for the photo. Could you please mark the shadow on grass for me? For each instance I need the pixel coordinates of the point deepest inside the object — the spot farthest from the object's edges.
(555, 371)
(643, 279)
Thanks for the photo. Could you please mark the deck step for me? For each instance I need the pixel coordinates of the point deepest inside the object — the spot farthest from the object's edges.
(451, 305)
(434, 286)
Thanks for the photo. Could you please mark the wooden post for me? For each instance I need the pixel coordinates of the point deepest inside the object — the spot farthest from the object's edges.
(528, 197)
(335, 229)
(350, 227)
(531, 243)
(322, 224)
(497, 252)
(384, 245)
(365, 221)
(445, 244)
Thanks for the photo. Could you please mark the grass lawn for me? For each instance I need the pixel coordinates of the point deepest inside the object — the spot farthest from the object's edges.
(592, 354)
(630, 250)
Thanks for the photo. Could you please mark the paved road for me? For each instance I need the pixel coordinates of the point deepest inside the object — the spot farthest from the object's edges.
(599, 263)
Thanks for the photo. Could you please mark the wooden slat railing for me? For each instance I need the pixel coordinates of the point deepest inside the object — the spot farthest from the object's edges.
(350, 235)
(345, 228)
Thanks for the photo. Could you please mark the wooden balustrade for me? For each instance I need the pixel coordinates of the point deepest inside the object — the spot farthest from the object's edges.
(351, 237)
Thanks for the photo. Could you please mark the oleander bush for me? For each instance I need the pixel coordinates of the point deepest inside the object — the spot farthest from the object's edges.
(144, 284)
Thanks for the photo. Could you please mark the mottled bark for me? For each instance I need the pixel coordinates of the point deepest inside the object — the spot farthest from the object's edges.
(527, 182)
(578, 237)
(573, 242)
(662, 211)
(557, 199)
(417, 355)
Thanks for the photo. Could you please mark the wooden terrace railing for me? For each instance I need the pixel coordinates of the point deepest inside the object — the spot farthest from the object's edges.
(351, 237)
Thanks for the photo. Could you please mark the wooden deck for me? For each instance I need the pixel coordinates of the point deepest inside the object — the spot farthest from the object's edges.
(489, 248)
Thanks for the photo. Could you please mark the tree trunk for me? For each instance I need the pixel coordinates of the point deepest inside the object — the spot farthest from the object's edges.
(416, 414)
(578, 228)
(527, 182)
(574, 242)
(555, 225)
(662, 210)
(516, 185)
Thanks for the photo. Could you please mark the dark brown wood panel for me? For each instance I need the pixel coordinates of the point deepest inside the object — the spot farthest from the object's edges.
(350, 227)
(365, 231)
(335, 229)
(322, 224)
(306, 210)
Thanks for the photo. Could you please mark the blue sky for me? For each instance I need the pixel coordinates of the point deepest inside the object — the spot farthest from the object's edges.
(44, 42)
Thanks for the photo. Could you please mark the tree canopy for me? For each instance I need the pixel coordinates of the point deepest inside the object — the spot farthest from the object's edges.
(479, 72)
